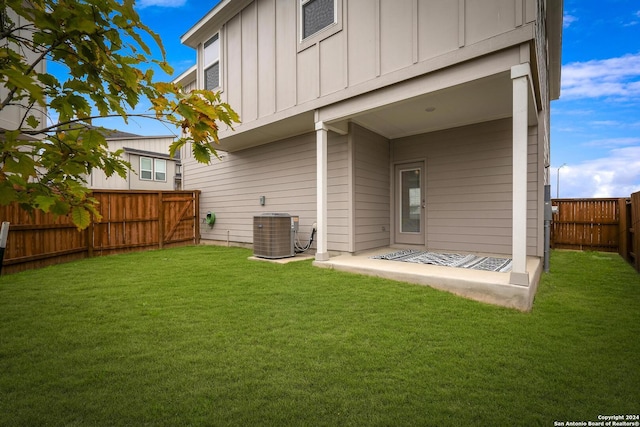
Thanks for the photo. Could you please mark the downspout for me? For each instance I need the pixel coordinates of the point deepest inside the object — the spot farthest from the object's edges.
(547, 226)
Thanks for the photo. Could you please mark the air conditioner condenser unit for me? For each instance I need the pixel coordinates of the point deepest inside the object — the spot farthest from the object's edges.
(273, 235)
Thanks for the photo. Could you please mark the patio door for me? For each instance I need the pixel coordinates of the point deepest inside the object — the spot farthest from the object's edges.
(409, 204)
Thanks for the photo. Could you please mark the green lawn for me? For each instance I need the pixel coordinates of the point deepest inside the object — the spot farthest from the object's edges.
(202, 336)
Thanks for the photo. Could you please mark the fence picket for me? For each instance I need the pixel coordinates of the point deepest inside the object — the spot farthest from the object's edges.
(591, 224)
(131, 220)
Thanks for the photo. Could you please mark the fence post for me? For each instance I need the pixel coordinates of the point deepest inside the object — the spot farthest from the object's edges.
(623, 229)
(4, 232)
(634, 231)
(160, 220)
(196, 216)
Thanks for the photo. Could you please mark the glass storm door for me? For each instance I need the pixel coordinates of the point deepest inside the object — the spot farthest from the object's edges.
(410, 204)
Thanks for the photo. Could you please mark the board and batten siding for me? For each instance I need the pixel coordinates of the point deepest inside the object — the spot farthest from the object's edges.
(469, 186)
(372, 211)
(265, 71)
(284, 172)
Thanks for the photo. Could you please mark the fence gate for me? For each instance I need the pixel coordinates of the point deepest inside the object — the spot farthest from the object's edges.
(179, 222)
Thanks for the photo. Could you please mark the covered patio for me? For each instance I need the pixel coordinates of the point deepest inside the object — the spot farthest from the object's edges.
(485, 286)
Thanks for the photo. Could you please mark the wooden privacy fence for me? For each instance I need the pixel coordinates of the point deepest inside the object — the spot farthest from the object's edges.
(586, 224)
(599, 225)
(131, 220)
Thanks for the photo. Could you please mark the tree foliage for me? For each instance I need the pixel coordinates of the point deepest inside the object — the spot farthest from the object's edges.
(46, 157)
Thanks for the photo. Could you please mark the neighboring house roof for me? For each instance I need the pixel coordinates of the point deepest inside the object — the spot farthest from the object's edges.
(114, 133)
(124, 135)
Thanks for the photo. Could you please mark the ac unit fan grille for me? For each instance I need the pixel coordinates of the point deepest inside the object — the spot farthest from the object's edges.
(273, 236)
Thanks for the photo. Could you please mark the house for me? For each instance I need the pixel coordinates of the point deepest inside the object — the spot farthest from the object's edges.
(12, 116)
(404, 123)
(151, 166)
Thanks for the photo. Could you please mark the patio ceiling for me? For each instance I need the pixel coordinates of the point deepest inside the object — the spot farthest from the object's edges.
(485, 99)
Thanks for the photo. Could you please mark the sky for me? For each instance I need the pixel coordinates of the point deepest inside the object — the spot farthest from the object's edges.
(595, 125)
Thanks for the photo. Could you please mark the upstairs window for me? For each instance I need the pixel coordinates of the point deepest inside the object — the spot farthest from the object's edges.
(160, 168)
(212, 63)
(316, 15)
(153, 169)
(146, 168)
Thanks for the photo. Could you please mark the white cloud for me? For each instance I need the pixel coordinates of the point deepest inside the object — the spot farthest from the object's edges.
(605, 123)
(613, 142)
(617, 175)
(567, 20)
(160, 3)
(614, 77)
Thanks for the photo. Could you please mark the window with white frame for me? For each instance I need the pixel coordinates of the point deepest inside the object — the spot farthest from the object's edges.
(316, 15)
(212, 63)
(146, 168)
(153, 169)
(160, 169)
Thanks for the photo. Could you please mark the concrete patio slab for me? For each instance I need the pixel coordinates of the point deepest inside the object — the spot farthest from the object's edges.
(485, 286)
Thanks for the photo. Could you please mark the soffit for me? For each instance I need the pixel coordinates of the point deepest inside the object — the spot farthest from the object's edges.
(481, 100)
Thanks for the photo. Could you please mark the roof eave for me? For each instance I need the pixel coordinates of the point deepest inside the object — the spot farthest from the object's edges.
(187, 77)
(212, 21)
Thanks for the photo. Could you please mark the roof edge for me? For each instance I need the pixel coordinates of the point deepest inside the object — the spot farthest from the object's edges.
(212, 21)
(188, 76)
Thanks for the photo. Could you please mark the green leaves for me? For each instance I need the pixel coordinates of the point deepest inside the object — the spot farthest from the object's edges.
(104, 45)
(199, 112)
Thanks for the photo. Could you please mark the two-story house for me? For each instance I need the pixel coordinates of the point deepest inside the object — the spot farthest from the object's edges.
(151, 166)
(406, 123)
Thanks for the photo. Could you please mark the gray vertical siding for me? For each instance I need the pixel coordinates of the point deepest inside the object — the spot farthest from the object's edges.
(372, 221)
(468, 186)
(285, 173)
(266, 70)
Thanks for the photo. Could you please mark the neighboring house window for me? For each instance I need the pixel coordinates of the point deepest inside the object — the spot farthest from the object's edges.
(146, 168)
(160, 167)
(212, 63)
(316, 15)
(153, 169)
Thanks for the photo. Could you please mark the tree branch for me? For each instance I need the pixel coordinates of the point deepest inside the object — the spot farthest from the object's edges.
(54, 127)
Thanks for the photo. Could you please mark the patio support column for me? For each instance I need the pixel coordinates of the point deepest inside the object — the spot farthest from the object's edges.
(519, 76)
(321, 189)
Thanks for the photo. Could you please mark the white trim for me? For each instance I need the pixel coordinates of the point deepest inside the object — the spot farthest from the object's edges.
(520, 79)
(322, 253)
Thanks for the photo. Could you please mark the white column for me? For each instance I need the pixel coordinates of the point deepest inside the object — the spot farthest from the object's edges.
(321, 188)
(519, 76)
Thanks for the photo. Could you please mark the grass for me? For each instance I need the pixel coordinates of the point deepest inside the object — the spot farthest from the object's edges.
(202, 336)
